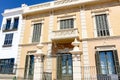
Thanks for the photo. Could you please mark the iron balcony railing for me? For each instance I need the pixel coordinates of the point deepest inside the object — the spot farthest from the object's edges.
(12, 26)
(86, 72)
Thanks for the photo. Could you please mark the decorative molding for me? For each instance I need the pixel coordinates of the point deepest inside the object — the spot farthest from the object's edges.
(41, 20)
(83, 23)
(65, 50)
(85, 53)
(30, 44)
(100, 11)
(39, 58)
(105, 48)
(76, 57)
(66, 17)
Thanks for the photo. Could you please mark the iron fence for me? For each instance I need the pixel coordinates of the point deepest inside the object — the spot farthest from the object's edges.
(86, 73)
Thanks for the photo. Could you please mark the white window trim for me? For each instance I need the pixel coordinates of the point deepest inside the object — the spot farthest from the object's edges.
(105, 48)
(66, 17)
(106, 11)
(31, 28)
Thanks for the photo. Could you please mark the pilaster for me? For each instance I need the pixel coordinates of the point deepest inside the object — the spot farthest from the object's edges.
(76, 67)
(38, 67)
(38, 63)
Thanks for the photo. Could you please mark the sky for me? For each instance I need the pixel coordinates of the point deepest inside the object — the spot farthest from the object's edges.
(8, 4)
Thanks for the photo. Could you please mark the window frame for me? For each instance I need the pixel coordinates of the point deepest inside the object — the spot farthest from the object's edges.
(14, 24)
(8, 38)
(102, 30)
(67, 23)
(7, 24)
(27, 70)
(9, 66)
(115, 57)
(99, 12)
(33, 26)
(59, 18)
(60, 73)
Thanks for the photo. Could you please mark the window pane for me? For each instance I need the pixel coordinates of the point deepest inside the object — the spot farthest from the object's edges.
(64, 64)
(29, 66)
(8, 24)
(69, 64)
(6, 66)
(8, 39)
(107, 63)
(110, 61)
(103, 63)
(65, 72)
(15, 24)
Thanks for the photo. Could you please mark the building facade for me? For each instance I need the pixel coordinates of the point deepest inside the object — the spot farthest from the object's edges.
(70, 40)
(9, 40)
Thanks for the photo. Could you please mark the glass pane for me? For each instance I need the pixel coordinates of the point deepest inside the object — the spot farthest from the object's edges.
(103, 63)
(31, 65)
(65, 73)
(16, 21)
(8, 24)
(110, 62)
(69, 64)
(8, 39)
(64, 65)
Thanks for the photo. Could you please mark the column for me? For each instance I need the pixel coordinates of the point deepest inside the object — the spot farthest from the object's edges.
(76, 67)
(38, 67)
(84, 43)
(38, 63)
(50, 29)
(76, 52)
(49, 59)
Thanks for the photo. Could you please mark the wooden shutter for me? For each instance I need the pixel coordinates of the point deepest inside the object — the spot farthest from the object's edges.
(36, 32)
(102, 25)
(59, 67)
(97, 59)
(117, 67)
(26, 65)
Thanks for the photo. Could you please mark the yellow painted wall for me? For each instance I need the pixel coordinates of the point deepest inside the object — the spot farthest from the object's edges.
(72, 11)
(113, 12)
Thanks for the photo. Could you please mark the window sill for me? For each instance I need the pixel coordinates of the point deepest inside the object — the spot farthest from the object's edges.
(6, 45)
(10, 30)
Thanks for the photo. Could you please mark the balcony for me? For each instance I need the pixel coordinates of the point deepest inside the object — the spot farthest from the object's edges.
(65, 34)
(11, 27)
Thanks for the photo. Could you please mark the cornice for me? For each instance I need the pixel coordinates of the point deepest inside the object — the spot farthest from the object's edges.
(29, 44)
(34, 44)
(101, 38)
(53, 5)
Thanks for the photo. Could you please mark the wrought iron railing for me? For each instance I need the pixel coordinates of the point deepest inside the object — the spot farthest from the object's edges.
(86, 72)
(12, 26)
